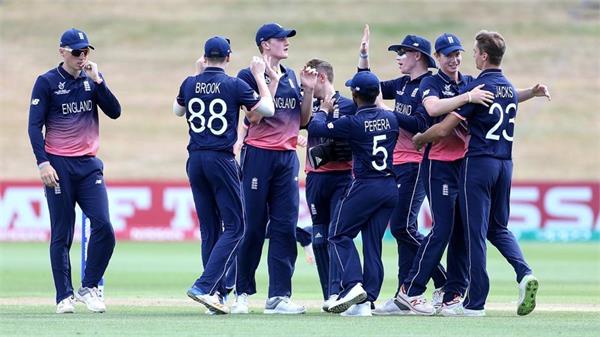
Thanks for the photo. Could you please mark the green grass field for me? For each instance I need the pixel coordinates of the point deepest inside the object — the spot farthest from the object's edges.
(146, 283)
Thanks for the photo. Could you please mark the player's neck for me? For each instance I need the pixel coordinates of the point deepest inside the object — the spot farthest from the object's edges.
(71, 71)
(416, 73)
(452, 75)
(329, 90)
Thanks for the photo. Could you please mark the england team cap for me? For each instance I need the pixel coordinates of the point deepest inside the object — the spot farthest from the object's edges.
(75, 39)
(448, 43)
(364, 82)
(417, 43)
(272, 30)
(217, 47)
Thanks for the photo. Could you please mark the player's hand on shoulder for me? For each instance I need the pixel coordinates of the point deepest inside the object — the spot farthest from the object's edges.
(328, 103)
(480, 96)
(200, 65)
(257, 66)
(541, 90)
(91, 70)
(48, 175)
(274, 74)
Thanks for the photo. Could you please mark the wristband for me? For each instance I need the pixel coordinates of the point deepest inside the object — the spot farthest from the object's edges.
(43, 164)
(469, 94)
(363, 56)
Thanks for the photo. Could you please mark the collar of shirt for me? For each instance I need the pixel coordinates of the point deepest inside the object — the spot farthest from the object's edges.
(417, 79)
(490, 71)
(365, 108)
(447, 78)
(64, 74)
(214, 69)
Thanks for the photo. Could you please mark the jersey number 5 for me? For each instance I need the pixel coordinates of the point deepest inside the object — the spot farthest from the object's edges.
(379, 149)
(491, 134)
(213, 115)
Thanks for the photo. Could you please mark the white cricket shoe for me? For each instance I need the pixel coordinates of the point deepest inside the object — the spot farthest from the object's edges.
(392, 307)
(437, 298)
(211, 302)
(356, 295)
(91, 298)
(327, 303)
(283, 305)
(240, 305)
(474, 313)
(66, 306)
(417, 304)
(453, 307)
(528, 288)
(358, 310)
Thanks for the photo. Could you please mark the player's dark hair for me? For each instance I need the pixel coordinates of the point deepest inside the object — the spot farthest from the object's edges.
(322, 67)
(219, 59)
(491, 43)
(366, 98)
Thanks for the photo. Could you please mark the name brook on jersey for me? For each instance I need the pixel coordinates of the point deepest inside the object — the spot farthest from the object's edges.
(377, 125)
(208, 88)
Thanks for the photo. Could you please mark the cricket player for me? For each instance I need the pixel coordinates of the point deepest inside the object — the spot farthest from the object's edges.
(371, 197)
(270, 177)
(326, 183)
(211, 102)
(442, 168)
(485, 177)
(413, 59)
(65, 103)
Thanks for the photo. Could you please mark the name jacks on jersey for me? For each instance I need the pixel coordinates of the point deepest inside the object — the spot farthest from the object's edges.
(377, 125)
(504, 92)
(77, 107)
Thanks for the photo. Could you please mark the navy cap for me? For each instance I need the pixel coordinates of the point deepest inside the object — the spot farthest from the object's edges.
(417, 43)
(217, 47)
(364, 82)
(75, 39)
(272, 30)
(447, 43)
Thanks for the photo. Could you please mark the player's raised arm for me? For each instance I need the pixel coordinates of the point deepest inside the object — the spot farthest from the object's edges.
(363, 52)
(308, 78)
(265, 107)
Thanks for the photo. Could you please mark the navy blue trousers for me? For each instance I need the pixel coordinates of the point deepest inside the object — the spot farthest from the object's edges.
(270, 185)
(441, 184)
(365, 209)
(324, 190)
(216, 186)
(485, 206)
(403, 223)
(81, 181)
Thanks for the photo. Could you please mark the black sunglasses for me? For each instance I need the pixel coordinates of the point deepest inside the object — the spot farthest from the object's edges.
(78, 52)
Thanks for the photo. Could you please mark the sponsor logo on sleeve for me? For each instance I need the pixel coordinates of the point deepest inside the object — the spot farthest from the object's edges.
(35, 101)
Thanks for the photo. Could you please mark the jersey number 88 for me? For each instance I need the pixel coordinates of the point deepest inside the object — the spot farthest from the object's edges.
(213, 115)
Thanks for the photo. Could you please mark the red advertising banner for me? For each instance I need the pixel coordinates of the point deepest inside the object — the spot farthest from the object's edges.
(164, 211)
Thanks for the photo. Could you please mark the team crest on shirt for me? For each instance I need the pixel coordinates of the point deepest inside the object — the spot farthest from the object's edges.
(86, 86)
(267, 79)
(401, 92)
(448, 90)
(61, 89)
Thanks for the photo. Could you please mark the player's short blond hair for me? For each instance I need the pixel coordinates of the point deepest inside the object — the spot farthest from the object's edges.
(491, 43)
